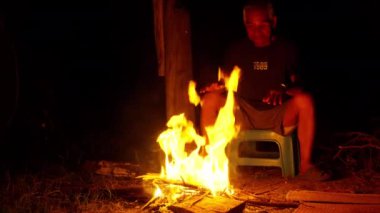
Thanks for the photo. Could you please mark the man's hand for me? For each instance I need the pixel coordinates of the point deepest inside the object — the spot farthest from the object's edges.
(213, 88)
(294, 91)
(275, 97)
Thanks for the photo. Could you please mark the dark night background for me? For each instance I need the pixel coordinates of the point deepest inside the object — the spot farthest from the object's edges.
(87, 73)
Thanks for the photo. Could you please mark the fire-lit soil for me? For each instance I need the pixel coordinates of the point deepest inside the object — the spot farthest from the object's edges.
(118, 190)
(268, 185)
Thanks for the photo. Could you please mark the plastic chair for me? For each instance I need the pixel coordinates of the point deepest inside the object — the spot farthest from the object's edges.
(286, 157)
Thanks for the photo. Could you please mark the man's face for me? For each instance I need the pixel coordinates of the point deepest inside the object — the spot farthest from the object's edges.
(259, 26)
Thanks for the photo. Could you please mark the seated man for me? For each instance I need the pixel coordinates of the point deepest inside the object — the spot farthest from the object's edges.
(268, 96)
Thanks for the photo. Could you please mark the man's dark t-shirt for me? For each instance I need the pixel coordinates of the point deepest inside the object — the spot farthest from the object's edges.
(263, 69)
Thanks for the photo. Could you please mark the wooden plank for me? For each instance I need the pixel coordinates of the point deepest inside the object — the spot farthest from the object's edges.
(332, 197)
(337, 208)
(209, 204)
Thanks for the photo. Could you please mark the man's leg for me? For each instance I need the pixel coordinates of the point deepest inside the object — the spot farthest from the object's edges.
(211, 103)
(300, 113)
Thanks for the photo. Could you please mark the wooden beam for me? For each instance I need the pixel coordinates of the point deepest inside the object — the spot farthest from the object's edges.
(332, 197)
(337, 207)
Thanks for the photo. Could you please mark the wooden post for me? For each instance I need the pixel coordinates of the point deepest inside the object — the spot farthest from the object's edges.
(173, 43)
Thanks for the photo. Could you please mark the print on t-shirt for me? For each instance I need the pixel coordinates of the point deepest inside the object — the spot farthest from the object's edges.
(260, 65)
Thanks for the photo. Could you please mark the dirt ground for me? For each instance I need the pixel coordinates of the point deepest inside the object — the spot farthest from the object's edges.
(269, 185)
(263, 186)
(268, 181)
(116, 188)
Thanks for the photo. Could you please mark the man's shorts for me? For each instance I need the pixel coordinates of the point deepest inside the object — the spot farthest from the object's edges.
(248, 117)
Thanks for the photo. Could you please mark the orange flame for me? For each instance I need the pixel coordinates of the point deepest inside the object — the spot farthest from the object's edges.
(210, 171)
(193, 96)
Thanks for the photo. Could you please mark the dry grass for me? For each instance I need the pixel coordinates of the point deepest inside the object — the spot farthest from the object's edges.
(63, 192)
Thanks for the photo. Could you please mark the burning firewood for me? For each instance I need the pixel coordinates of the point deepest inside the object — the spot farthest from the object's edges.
(208, 203)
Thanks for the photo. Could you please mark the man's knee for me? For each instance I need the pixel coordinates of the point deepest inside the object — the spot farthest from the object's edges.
(304, 101)
(213, 100)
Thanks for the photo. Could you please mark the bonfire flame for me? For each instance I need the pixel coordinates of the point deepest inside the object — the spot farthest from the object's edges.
(203, 170)
(192, 92)
(210, 171)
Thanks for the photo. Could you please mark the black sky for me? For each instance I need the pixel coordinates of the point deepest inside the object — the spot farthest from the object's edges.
(87, 69)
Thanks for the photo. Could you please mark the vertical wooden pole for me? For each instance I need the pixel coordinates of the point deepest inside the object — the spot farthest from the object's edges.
(176, 58)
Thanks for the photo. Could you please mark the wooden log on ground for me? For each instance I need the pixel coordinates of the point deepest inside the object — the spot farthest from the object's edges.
(209, 204)
(266, 202)
(332, 197)
(273, 204)
(117, 169)
(337, 208)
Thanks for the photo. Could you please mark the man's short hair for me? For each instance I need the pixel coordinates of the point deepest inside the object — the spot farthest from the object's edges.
(261, 4)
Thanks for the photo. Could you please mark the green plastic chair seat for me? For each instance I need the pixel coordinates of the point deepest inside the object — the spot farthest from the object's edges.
(286, 157)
